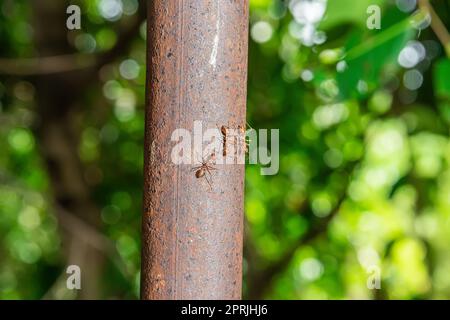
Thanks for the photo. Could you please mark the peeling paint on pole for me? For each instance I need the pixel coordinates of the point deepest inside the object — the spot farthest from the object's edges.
(192, 236)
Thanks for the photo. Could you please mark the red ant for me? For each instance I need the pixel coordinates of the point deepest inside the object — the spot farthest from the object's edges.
(241, 138)
(205, 168)
(223, 130)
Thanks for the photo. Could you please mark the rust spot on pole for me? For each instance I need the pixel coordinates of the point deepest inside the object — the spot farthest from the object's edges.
(197, 71)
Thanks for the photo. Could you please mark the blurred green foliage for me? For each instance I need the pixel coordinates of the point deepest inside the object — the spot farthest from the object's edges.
(364, 175)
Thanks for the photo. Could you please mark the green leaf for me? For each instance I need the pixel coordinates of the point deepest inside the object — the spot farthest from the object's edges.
(338, 12)
(441, 82)
(366, 59)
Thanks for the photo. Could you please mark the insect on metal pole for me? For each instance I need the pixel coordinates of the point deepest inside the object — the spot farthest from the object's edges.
(197, 71)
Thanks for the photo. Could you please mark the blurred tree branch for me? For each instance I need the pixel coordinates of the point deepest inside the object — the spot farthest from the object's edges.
(74, 61)
(437, 25)
(57, 132)
(93, 237)
(46, 65)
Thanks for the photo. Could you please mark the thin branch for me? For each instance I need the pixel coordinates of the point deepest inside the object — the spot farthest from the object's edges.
(91, 236)
(437, 25)
(84, 231)
(46, 65)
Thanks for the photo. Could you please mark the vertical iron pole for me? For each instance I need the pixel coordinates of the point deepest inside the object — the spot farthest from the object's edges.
(197, 71)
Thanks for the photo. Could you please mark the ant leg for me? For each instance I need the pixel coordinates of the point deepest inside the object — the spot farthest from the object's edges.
(208, 168)
(209, 183)
(248, 124)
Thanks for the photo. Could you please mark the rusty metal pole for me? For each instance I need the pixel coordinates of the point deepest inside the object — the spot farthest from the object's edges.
(197, 71)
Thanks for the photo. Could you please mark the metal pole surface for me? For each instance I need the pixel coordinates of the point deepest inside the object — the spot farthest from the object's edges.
(197, 71)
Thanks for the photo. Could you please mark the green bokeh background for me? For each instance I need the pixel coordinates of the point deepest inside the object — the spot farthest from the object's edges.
(364, 180)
